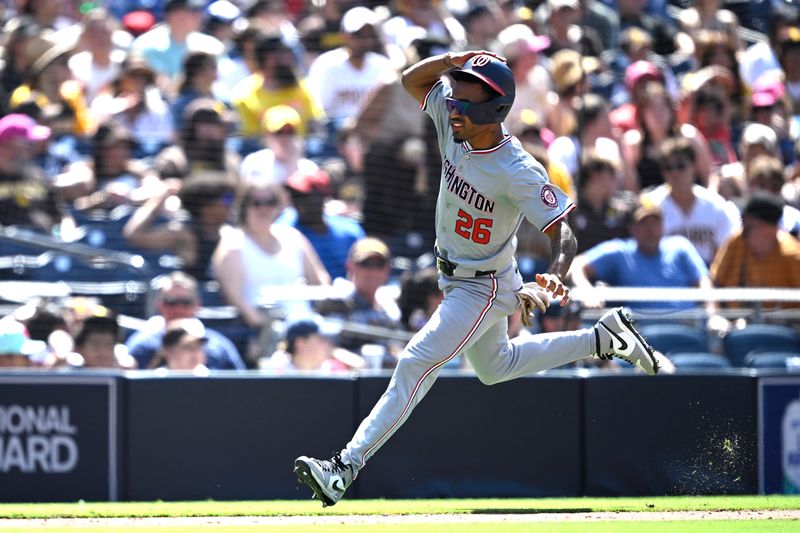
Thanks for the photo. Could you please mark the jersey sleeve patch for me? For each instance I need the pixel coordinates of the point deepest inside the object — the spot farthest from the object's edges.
(548, 196)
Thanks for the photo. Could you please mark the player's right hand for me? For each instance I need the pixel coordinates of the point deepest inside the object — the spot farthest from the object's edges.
(460, 58)
(531, 296)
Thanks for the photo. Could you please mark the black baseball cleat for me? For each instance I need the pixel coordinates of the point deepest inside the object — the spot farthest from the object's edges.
(616, 336)
(328, 479)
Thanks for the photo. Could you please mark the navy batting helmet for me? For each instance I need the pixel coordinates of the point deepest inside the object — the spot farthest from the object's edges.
(498, 78)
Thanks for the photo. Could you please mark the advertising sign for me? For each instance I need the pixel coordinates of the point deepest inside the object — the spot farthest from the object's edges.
(779, 435)
(58, 438)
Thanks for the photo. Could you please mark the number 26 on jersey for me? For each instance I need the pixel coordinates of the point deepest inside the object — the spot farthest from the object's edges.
(473, 229)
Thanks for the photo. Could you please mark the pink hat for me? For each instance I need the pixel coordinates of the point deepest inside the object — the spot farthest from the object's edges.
(767, 90)
(19, 126)
(307, 182)
(639, 71)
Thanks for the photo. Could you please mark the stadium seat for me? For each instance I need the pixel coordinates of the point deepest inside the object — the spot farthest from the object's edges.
(698, 360)
(670, 338)
(739, 343)
(770, 359)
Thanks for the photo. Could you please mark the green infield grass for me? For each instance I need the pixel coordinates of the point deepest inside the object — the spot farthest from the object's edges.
(459, 516)
(709, 526)
(397, 507)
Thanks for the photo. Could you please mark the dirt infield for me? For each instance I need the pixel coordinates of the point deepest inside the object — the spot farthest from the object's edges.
(399, 519)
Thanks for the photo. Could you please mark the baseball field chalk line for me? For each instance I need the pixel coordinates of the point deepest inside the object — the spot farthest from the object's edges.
(400, 519)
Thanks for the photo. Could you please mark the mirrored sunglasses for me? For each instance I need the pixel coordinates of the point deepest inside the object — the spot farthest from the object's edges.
(460, 106)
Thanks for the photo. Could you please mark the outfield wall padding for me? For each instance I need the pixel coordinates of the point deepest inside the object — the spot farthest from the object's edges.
(467, 440)
(680, 434)
(229, 436)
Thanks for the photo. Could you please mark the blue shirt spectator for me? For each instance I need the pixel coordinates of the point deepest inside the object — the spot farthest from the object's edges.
(331, 235)
(221, 354)
(332, 245)
(178, 297)
(647, 260)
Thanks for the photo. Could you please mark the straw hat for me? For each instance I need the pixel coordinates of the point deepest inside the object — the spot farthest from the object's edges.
(569, 67)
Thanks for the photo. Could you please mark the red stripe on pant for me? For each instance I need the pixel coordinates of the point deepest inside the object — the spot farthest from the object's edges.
(434, 367)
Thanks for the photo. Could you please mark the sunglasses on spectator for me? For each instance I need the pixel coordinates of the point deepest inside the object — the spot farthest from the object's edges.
(174, 300)
(227, 199)
(286, 130)
(374, 262)
(460, 106)
(675, 166)
(263, 202)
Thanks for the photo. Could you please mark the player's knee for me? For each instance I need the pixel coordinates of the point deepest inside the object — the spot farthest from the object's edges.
(488, 378)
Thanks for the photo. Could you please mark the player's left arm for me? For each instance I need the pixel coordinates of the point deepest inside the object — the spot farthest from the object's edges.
(563, 246)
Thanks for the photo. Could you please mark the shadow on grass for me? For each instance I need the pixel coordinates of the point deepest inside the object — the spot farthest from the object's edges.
(532, 510)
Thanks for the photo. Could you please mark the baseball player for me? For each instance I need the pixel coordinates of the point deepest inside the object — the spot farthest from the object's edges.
(488, 183)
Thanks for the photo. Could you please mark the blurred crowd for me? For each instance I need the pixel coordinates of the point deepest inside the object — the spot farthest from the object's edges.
(243, 145)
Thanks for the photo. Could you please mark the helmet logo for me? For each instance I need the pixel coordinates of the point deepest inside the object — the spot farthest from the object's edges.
(480, 61)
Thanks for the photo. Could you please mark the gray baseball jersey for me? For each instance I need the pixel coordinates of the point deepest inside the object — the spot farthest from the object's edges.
(482, 198)
(484, 194)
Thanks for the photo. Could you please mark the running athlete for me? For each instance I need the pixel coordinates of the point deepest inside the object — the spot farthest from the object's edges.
(488, 183)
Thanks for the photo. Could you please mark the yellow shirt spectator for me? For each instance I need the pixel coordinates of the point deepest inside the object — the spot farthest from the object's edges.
(251, 100)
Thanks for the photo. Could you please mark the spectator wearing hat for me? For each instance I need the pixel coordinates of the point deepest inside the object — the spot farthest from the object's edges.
(166, 45)
(275, 82)
(98, 62)
(17, 349)
(201, 149)
(570, 72)
(331, 235)
(760, 254)
(522, 49)
(364, 301)
(634, 80)
(566, 29)
(50, 87)
(259, 253)
(220, 18)
(691, 210)
(176, 298)
(730, 181)
(657, 122)
(26, 198)
(194, 232)
(134, 100)
(97, 341)
(284, 154)
(343, 78)
(111, 176)
(309, 344)
(183, 347)
(647, 259)
(601, 206)
(136, 23)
